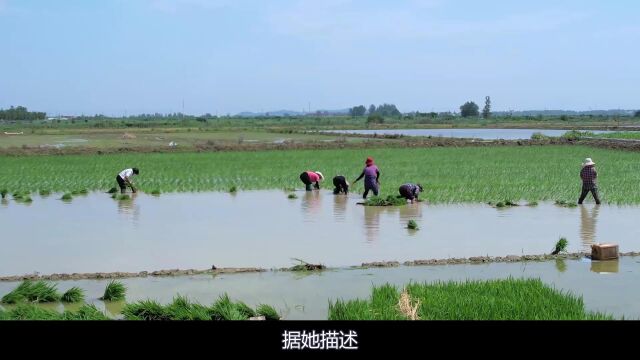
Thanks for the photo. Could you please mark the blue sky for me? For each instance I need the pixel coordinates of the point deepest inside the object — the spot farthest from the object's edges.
(226, 56)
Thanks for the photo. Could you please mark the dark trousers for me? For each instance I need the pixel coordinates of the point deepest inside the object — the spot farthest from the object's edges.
(121, 183)
(405, 192)
(585, 191)
(304, 177)
(340, 185)
(370, 185)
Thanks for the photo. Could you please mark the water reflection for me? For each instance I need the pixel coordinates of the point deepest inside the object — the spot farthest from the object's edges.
(371, 223)
(588, 219)
(605, 267)
(114, 308)
(4, 202)
(129, 208)
(311, 205)
(340, 207)
(561, 265)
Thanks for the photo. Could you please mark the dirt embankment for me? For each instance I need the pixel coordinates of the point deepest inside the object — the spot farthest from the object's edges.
(371, 142)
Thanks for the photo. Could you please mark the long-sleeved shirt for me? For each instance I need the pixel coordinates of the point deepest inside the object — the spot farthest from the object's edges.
(588, 175)
(370, 172)
(410, 191)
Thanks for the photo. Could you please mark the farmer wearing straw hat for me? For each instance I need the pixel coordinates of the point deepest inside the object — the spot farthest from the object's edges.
(588, 175)
(310, 177)
(371, 176)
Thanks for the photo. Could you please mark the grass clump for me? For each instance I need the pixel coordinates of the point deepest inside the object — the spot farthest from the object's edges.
(114, 291)
(66, 197)
(225, 309)
(413, 225)
(388, 201)
(73, 295)
(32, 312)
(268, 312)
(305, 266)
(28, 291)
(145, 310)
(155, 192)
(182, 309)
(503, 299)
(233, 189)
(292, 196)
(123, 197)
(113, 190)
(565, 203)
(561, 246)
(4, 193)
(45, 192)
(80, 192)
(539, 136)
(86, 312)
(532, 203)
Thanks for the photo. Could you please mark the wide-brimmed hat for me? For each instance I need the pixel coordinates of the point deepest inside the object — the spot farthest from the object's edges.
(588, 162)
(369, 161)
(320, 174)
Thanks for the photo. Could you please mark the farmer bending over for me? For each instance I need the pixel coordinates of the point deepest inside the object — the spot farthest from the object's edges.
(124, 179)
(341, 185)
(311, 177)
(371, 176)
(410, 191)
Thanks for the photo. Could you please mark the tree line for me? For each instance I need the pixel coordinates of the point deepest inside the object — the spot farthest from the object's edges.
(21, 113)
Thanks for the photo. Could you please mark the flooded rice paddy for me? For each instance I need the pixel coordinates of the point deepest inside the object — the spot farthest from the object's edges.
(95, 233)
(485, 134)
(605, 286)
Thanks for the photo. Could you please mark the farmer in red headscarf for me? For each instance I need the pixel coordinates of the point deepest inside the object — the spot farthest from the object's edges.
(371, 175)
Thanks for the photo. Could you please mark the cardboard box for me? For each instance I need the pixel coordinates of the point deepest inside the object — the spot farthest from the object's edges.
(604, 251)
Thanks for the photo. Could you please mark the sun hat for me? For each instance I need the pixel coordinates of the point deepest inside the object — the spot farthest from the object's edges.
(320, 174)
(588, 162)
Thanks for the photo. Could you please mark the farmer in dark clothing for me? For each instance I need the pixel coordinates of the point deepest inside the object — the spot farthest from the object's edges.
(311, 177)
(341, 185)
(124, 179)
(410, 191)
(588, 175)
(371, 176)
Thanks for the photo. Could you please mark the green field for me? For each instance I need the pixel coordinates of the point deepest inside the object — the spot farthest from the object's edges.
(509, 299)
(470, 174)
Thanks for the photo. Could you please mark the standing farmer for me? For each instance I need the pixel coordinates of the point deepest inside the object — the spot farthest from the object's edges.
(588, 175)
(124, 179)
(311, 177)
(410, 191)
(371, 176)
(341, 185)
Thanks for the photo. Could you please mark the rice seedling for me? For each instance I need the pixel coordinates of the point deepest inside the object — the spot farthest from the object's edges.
(233, 189)
(225, 309)
(268, 312)
(45, 192)
(245, 310)
(413, 225)
(561, 246)
(145, 310)
(66, 197)
(124, 197)
(565, 203)
(503, 299)
(532, 203)
(499, 172)
(114, 291)
(155, 192)
(18, 196)
(292, 196)
(32, 312)
(114, 196)
(27, 199)
(500, 204)
(28, 291)
(73, 295)
(4, 193)
(182, 309)
(86, 312)
(113, 190)
(390, 200)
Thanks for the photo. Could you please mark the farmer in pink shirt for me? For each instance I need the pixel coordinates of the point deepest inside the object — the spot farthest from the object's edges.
(311, 177)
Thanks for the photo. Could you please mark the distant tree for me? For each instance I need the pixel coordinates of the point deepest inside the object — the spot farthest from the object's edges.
(637, 113)
(372, 109)
(358, 110)
(469, 109)
(387, 110)
(375, 119)
(21, 113)
(433, 114)
(486, 111)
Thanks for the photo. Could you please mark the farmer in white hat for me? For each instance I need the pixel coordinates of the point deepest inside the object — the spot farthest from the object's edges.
(311, 177)
(589, 175)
